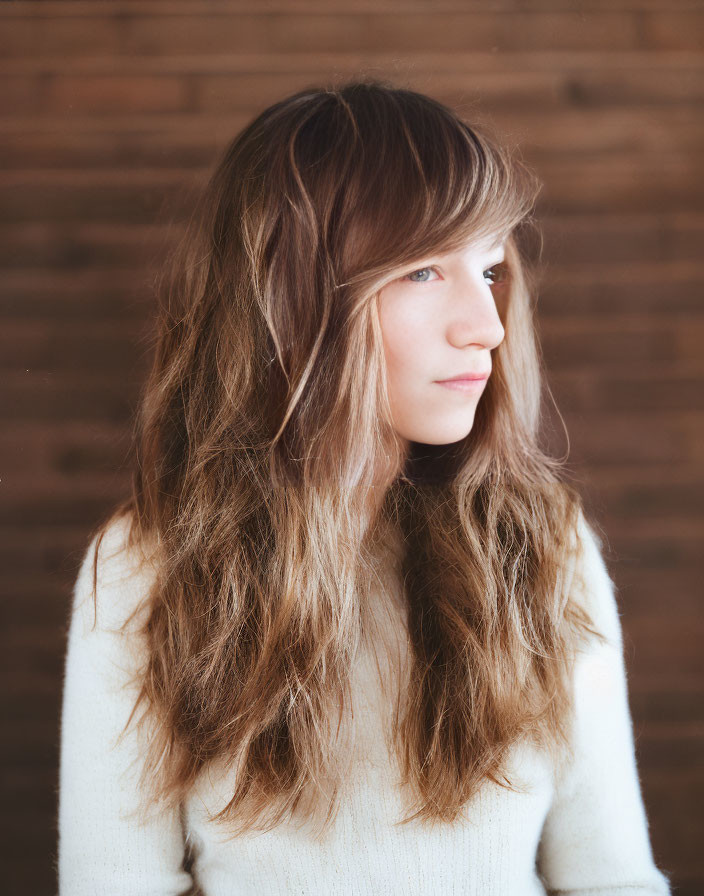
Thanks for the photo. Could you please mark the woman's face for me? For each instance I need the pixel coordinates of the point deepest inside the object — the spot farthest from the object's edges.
(439, 320)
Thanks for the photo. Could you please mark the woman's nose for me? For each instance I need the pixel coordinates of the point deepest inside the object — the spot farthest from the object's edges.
(476, 319)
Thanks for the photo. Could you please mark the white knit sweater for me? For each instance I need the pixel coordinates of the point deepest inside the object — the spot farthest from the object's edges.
(581, 830)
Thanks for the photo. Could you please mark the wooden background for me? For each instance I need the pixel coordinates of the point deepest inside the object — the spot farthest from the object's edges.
(112, 113)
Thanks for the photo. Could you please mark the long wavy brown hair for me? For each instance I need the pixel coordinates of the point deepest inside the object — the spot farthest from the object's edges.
(268, 479)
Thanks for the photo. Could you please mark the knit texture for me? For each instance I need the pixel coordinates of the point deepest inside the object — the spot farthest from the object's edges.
(579, 829)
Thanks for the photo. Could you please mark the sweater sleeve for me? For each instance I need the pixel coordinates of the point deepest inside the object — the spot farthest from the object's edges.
(104, 849)
(595, 839)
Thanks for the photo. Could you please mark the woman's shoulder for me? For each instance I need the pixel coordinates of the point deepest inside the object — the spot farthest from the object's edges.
(592, 585)
(115, 577)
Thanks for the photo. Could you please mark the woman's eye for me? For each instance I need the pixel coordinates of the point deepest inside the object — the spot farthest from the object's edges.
(497, 273)
(412, 275)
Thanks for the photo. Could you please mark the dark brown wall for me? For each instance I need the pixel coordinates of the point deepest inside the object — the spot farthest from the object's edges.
(111, 111)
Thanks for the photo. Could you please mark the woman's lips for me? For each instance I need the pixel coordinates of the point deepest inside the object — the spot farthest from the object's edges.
(468, 385)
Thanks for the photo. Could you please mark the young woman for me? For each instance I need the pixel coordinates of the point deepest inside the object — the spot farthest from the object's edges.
(352, 632)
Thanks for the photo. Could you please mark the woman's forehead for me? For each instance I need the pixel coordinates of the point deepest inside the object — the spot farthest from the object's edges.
(487, 243)
(482, 246)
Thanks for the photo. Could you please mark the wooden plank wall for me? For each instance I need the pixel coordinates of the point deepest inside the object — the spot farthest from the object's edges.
(112, 113)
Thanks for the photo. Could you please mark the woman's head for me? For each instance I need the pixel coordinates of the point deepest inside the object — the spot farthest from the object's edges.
(353, 246)
(317, 210)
